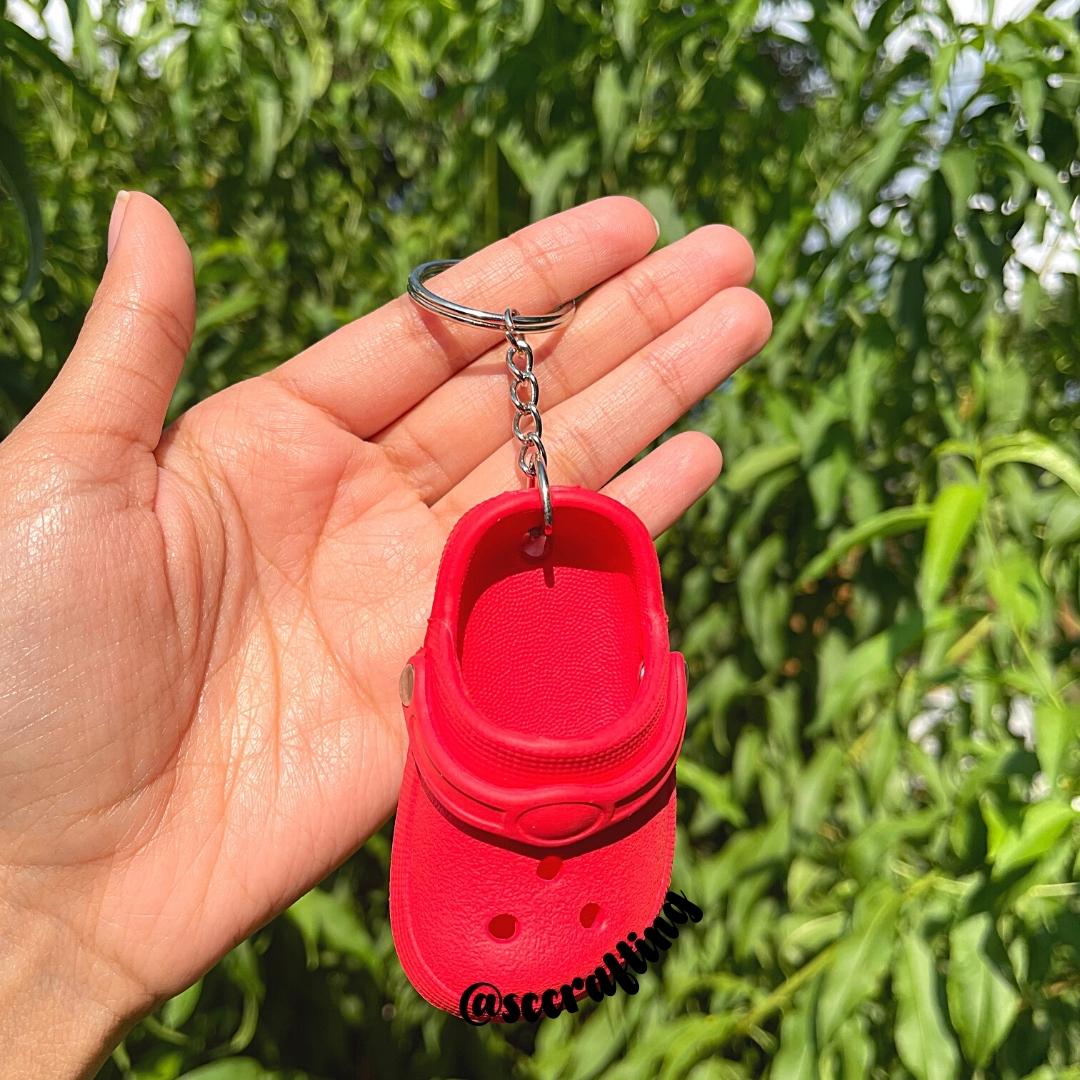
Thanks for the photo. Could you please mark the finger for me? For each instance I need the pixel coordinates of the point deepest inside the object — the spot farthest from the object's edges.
(116, 384)
(667, 482)
(593, 434)
(368, 373)
(454, 428)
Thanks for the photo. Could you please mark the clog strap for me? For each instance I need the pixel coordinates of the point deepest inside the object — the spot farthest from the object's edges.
(569, 809)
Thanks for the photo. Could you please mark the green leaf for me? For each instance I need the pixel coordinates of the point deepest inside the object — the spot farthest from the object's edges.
(812, 428)
(609, 105)
(267, 124)
(628, 16)
(952, 518)
(871, 171)
(160, 1063)
(880, 762)
(1018, 590)
(959, 168)
(715, 790)
(176, 1012)
(1063, 522)
(660, 202)
(330, 919)
(690, 1039)
(234, 1068)
(774, 250)
(814, 791)
(711, 696)
(765, 601)
(1008, 393)
(825, 479)
(982, 1001)
(797, 1059)
(746, 763)
(15, 178)
(35, 54)
(1056, 727)
(1040, 174)
(876, 844)
(998, 824)
(922, 1037)
(802, 936)
(594, 1047)
(569, 159)
(306, 914)
(1032, 98)
(1042, 825)
(1035, 450)
(870, 357)
(867, 669)
(900, 519)
(533, 12)
(856, 1048)
(232, 309)
(241, 965)
(943, 61)
(757, 463)
(861, 959)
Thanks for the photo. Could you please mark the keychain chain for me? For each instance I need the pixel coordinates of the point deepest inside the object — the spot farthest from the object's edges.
(528, 427)
(532, 458)
(532, 444)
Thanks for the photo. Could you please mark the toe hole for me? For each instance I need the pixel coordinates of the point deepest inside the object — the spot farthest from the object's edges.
(588, 914)
(549, 866)
(503, 927)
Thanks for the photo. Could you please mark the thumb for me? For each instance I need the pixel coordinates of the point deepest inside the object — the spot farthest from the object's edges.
(118, 380)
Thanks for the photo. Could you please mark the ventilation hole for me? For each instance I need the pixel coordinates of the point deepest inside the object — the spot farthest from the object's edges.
(503, 927)
(534, 543)
(549, 866)
(588, 914)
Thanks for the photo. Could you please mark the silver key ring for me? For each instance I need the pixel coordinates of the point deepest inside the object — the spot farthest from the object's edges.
(532, 458)
(490, 320)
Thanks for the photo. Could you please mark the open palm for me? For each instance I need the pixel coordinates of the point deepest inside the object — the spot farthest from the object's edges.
(201, 630)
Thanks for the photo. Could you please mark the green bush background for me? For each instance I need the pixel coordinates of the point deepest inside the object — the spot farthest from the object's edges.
(879, 599)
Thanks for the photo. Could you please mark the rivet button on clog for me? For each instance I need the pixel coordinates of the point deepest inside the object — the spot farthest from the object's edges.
(406, 683)
(560, 821)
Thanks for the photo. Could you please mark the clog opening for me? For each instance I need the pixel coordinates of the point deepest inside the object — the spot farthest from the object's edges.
(552, 646)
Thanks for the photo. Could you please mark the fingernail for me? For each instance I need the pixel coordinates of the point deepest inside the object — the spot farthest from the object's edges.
(657, 224)
(116, 221)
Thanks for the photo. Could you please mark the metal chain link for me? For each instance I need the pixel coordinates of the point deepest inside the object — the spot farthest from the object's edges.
(528, 426)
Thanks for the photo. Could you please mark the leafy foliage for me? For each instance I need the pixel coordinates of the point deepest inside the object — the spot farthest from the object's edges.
(878, 600)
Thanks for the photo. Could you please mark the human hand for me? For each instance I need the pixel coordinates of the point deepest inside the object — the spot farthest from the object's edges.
(201, 630)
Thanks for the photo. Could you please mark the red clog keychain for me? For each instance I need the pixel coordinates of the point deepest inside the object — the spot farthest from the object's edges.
(536, 824)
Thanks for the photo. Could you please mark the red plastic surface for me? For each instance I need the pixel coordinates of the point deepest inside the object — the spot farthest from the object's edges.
(535, 827)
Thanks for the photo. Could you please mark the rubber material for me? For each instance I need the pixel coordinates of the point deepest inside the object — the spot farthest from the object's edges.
(536, 822)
